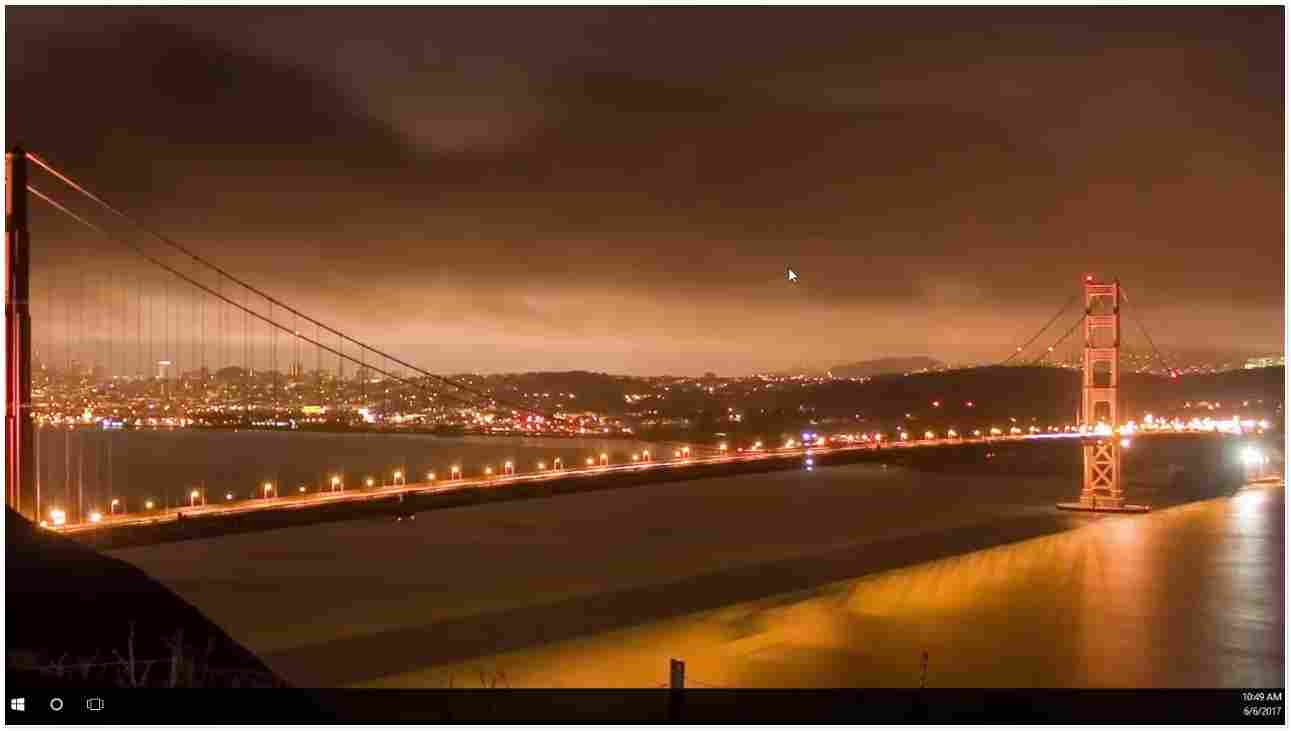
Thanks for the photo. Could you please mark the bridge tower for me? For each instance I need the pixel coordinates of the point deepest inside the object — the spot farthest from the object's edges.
(19, 464)
(1101, 485)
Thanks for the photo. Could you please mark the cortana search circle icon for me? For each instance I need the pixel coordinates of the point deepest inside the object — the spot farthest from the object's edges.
(56, 704)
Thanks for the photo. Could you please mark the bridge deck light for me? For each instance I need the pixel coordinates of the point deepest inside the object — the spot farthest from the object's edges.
(1250, 456)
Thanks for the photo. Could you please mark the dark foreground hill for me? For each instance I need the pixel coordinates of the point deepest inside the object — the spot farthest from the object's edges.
(77, 617)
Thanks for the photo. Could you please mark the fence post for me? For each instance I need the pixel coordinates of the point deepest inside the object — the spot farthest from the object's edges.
(676, 683)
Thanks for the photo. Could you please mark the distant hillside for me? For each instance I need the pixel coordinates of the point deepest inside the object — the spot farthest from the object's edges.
(600, 392)
(882, 366)
(1047, 395)
(69, 606)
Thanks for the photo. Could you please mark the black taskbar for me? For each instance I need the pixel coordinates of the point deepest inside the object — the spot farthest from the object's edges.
(699, 705)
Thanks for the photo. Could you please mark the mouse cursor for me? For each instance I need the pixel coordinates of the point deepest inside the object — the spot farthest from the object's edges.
(791, 275)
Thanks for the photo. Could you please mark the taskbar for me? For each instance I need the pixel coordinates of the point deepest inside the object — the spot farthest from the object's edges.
(691, 705)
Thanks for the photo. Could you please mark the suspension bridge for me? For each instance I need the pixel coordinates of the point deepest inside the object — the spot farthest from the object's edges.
(138, 328)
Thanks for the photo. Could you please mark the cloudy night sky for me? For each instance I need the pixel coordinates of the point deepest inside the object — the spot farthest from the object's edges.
(500, 189)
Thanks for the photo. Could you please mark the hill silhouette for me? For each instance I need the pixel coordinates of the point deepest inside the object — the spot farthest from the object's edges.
(71, 614)
(1051, 395)
(882, 366)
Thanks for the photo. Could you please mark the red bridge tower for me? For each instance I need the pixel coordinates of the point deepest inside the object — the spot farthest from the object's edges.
(1101, 486)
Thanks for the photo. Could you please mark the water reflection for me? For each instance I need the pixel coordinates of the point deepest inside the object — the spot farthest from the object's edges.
(1176, 598)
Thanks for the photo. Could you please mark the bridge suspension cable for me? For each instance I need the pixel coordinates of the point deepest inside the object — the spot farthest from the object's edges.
(1049, 351)
(1152, 344)
(67, 180)
(248, 311)
(1018, 351)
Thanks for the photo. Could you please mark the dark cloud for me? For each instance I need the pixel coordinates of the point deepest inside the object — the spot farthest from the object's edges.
(631, 181)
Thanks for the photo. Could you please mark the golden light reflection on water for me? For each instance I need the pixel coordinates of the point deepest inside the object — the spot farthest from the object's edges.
(1185, 597)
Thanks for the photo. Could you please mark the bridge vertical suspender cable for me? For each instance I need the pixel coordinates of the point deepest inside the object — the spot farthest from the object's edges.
(486, 399)
(273, 365)
(66, 179)
(165, 339)
(246, 360)
(248, 312)
(80, 318)
(109, 319)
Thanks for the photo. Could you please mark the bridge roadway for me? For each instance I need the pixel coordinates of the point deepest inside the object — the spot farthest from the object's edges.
(352, 495)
